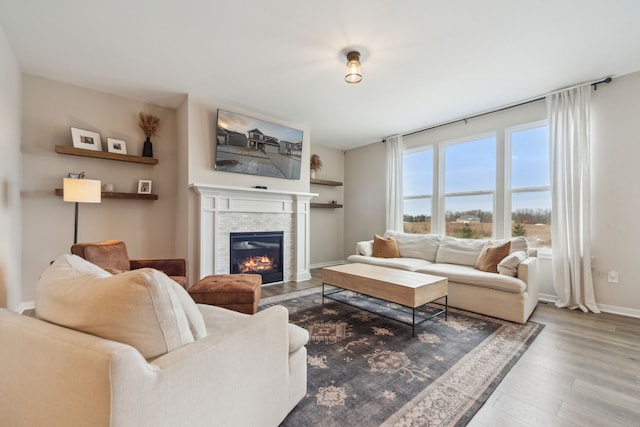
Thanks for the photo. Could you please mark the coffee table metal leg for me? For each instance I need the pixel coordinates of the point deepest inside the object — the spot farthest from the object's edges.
(413, 323)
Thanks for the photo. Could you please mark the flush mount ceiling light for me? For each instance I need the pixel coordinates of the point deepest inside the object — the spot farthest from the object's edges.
(354, 73)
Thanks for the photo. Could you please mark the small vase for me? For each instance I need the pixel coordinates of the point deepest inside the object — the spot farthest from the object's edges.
(147, 148)
(313, 173)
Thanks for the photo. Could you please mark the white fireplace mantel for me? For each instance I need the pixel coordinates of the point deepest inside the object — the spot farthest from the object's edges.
(219, 200)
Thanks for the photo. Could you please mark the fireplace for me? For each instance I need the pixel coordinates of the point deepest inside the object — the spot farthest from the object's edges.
(257, 253)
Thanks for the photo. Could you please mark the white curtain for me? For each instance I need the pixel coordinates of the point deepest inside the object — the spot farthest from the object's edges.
(394, 183)
(569, 137)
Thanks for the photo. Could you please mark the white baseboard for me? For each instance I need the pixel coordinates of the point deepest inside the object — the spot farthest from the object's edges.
(27, 305)
(605, 308)
(327, 264)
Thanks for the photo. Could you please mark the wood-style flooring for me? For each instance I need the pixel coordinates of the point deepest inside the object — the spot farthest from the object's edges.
(582, 370)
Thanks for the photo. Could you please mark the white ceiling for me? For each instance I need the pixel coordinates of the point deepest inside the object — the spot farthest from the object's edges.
(423, 61)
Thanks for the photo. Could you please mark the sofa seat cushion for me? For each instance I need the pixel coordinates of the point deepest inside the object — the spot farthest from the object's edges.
(470, 276)
(411, 264)
(141, 308)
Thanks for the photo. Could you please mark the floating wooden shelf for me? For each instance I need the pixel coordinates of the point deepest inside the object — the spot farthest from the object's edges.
(114, 195)
(326, 205)
(325, 182)
(63, 149)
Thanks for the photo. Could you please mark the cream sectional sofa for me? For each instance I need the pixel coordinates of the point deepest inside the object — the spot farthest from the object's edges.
(504, 296)
(134, 350)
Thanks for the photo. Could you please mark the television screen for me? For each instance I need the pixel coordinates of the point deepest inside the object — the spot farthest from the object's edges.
(252, 146)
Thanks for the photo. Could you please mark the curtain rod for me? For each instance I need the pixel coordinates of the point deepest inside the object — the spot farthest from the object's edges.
(594, 83)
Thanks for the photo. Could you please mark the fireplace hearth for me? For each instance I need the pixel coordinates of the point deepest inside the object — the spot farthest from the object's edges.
(257, 253)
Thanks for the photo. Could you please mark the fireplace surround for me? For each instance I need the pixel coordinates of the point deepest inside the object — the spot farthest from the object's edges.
(226, 209)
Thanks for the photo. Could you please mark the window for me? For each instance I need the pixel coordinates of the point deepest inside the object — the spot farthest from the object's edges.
(469, 187)
(417, 181)
(493, 185)
(530, 191)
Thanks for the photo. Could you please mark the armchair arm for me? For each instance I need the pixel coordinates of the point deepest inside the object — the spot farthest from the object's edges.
(171, 267)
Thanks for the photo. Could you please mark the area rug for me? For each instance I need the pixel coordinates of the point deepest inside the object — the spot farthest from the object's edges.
(367, 370)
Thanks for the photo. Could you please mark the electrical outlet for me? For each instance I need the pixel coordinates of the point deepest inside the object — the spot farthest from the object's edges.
(612, 276)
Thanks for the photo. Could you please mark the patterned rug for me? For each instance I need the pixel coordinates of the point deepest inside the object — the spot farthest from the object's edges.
(367, 370)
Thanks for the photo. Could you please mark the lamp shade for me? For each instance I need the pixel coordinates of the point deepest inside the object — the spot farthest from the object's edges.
(82, 190)
(354, 72)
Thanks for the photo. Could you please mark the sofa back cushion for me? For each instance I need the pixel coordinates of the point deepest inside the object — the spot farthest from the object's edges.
(421, 246)
(141, 308)
(453, 250)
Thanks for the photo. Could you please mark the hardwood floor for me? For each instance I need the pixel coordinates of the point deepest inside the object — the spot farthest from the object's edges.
(582, 370)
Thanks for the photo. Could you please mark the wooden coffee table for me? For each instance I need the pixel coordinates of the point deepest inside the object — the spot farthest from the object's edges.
(406, 288)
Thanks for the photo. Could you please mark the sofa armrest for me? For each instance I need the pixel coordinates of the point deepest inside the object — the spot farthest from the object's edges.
(220, 372)
(364, 248)
(528, 273)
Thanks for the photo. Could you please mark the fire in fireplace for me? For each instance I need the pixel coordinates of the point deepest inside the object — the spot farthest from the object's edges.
(257, 253)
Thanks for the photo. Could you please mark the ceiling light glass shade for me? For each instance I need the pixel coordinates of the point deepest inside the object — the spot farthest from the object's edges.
(354, 72)
(81, 190)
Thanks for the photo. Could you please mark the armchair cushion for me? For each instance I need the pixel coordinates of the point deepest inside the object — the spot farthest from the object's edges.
(142, 308)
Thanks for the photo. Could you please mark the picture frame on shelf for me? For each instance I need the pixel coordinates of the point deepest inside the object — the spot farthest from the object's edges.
(144, 186)
(116, 146)
(86, 139)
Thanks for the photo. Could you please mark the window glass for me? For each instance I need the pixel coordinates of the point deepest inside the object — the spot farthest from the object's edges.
(417, 182)
(530, 186)
(469, 217)
(470, 166)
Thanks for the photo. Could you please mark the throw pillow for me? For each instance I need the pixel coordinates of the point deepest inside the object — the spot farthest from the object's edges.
(142, 308)
(491, 255)
(385, 247)
(509, 265)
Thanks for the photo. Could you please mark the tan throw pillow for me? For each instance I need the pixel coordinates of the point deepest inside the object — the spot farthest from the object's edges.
(385, 247)
(491, 255)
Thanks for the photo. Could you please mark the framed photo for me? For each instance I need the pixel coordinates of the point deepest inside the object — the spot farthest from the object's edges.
(144, 186)
(116, 146)
(86, 140)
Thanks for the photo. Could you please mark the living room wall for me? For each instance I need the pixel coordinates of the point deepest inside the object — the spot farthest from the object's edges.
(10, 165)
(327, 225)
(615, 150)
(50, 108)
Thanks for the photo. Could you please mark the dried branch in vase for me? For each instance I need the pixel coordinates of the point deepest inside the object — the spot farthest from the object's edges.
(148, 123)
(316, 163)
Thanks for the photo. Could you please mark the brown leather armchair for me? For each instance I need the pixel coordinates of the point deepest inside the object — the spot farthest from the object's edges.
(112, 256)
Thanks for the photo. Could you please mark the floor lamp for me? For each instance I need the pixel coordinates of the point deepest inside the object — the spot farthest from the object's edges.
(80, 190)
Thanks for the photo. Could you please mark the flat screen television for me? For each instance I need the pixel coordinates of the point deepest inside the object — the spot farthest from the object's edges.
(256, 147)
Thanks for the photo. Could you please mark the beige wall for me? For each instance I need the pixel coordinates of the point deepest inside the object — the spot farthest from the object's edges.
(10, 165)
(201, 131)
(615, 199)
(148, 227)
(364, 194)
(327, 225)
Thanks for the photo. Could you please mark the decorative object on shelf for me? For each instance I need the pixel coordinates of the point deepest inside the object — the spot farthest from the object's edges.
(116, 146)
(144, 186)
(315, 164)
(149, 125)
(354, 71)
(248, 145)
(109, 188)
(86, 140)
(80, 190)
